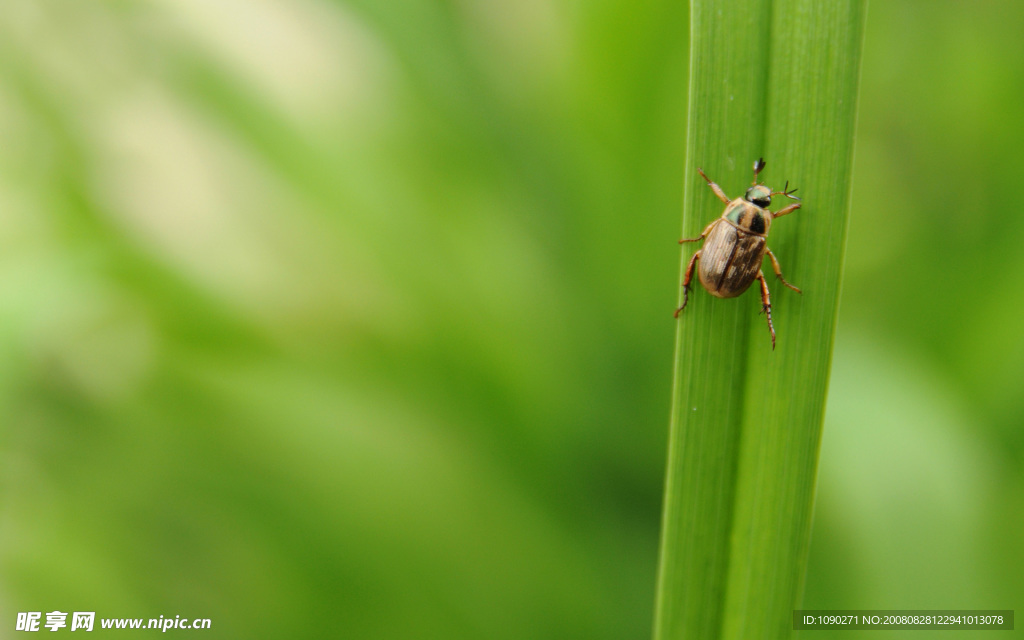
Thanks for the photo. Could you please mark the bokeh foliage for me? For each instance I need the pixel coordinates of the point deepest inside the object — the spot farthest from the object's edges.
(353, 319)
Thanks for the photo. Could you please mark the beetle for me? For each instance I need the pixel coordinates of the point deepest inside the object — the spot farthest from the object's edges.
(736, 243)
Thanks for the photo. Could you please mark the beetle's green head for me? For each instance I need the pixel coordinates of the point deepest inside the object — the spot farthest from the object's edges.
(759, 195)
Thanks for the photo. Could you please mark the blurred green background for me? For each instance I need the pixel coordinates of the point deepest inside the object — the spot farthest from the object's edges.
(354, 318)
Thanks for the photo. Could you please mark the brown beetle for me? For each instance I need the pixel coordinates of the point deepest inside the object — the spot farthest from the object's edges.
(736, 243)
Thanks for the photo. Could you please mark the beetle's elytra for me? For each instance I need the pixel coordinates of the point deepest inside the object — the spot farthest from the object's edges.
(735, 245)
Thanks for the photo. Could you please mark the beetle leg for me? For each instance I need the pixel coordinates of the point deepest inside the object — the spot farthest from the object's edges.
(778, 271)
(703, 234)
(686, 282)
(790, 209)
(714, 187)
(766, 305)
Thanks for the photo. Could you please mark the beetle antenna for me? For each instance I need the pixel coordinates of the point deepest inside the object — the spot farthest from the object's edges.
(758, 167)
(786, 192)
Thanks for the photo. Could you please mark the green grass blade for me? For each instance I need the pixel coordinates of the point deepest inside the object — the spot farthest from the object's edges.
(779, 80)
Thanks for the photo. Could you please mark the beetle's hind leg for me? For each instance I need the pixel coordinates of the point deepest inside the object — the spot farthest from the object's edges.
(714, 187)
(686, 282)
(766, 305)
(778, 271)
